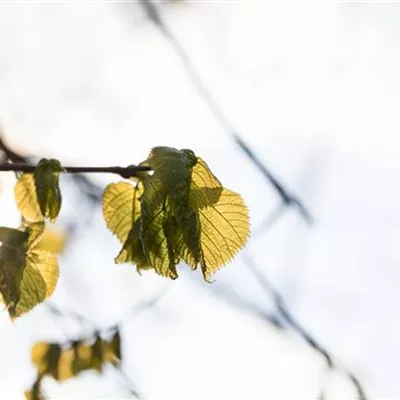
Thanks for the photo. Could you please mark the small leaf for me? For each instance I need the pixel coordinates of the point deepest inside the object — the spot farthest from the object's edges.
(26, 198)
(121, 207)
(164, 202)
(121, 211)
(38, 195)
(28, 275)
(46, 176)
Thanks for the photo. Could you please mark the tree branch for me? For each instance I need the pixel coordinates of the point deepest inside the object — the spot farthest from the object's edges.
(125, 172)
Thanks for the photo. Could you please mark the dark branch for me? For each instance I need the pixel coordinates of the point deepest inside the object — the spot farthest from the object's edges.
(125, 172)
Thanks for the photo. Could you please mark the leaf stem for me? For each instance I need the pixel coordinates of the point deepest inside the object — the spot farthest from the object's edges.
(125, 172)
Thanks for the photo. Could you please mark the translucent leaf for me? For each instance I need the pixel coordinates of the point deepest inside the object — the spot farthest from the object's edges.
(28, 275)
(121, 211)
(121, 207)
(224, 230)
(38, 195)
(163, 206)
(26, 198)
(47, 176)
(39, 279)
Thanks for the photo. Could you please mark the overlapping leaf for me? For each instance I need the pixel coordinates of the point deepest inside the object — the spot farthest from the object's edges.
(28, 275)
(184, 213)
(38, 195)
(121, 211)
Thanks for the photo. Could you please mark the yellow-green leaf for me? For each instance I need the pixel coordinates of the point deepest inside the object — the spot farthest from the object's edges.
(26, 198)
(224, 230)
(164, 203)
(28, 275)
(38, 195)
(121, 211)
(39, 279)
(121, 207)
(46, 177)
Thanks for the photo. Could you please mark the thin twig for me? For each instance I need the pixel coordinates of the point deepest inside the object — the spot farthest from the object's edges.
(125, 172)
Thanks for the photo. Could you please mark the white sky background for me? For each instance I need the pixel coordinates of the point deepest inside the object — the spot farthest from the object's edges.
(315, 88)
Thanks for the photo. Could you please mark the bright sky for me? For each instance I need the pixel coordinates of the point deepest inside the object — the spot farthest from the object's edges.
(314, 87)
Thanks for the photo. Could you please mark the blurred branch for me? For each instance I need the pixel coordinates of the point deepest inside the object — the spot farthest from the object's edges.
(281, 306)
(246, 305)
(155, 17)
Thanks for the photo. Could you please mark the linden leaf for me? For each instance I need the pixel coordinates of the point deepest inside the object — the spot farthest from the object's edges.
(121, 207)
(38, 195)
(26, 198)
(121, 211)
(47, 176)
(224, 230)
(28, 275)
(164, 203)
(39, 279)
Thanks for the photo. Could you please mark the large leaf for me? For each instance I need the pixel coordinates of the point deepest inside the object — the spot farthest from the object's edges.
(28, 275)
(224, 230)
(38, 195)
(183, 213)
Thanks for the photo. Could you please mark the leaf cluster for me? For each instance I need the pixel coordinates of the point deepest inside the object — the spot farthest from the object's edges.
(62, 362)
(177, 212)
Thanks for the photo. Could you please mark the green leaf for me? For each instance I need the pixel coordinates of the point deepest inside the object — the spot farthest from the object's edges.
(38, 195)
(182, 213)
(164, 205)
(28, 275)
(13, 237)
(224, 230)
(26, 198)
(47, 176)
(121, 211)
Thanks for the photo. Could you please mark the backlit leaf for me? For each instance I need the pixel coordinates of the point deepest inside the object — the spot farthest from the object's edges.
(38, 195)
(224, 230)
(121, 211)
(28, 275)
(26, 198)
(182, 213)
(46, 176)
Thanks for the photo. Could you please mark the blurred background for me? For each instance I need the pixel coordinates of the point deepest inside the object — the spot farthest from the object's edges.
(293, 104)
